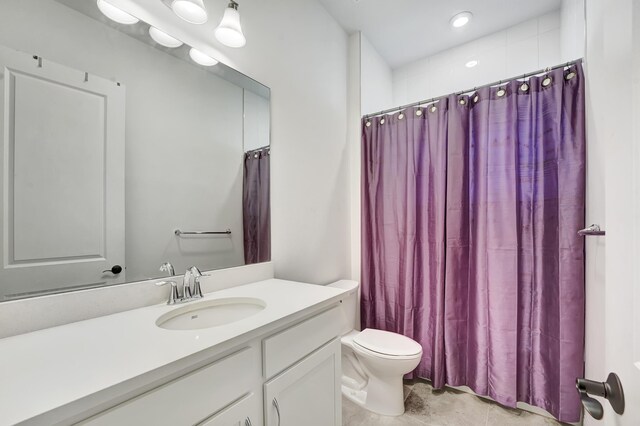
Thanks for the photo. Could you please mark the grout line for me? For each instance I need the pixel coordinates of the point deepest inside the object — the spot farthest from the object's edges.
(486, 421)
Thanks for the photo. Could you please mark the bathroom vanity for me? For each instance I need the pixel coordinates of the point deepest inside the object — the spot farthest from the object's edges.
(277, 363)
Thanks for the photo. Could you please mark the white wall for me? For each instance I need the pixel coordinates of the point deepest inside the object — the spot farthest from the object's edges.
(354, 105)
(572, 29)
(376, 79)
(526, 47)
(169, 164)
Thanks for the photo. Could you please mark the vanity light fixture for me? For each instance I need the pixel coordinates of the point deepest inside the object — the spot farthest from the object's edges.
(116, 14)
(229, 32)
(472, 63)
(202, 58)
(192, 11)
(163, 38)
(461, 19)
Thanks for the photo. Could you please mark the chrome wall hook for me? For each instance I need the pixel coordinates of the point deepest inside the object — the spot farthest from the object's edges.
(593, 229)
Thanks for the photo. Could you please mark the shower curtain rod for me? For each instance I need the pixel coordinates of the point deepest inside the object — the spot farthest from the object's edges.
(495, 83)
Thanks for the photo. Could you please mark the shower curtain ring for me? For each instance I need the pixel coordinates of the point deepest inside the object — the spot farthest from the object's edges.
(524, 86)
(476, 96)
(433, 107)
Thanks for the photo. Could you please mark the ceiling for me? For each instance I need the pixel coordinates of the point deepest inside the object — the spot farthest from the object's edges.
(403, 31)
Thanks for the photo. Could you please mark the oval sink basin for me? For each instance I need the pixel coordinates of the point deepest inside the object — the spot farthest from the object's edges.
(210, 313)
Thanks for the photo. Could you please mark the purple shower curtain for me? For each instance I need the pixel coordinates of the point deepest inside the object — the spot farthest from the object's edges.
(470, 213)
(256, 208)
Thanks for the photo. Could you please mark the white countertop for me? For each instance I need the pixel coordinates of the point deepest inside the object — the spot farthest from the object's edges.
(50, 368)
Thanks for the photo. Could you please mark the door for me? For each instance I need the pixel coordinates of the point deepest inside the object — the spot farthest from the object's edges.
(308, 393)
(613, 201)
(246, 412)
(62, 180)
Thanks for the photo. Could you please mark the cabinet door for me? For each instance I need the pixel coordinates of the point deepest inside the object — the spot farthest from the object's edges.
(308, 393)
(245, 412)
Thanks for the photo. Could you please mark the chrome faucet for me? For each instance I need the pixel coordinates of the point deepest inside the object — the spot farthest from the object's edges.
(168, 267)
(190, 287)
(191, 284)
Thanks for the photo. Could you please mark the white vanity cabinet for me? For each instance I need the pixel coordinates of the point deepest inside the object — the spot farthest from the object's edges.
(295, 368)
(307, 393)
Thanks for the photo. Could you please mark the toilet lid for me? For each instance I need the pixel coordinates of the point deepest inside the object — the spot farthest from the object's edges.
(387, 343)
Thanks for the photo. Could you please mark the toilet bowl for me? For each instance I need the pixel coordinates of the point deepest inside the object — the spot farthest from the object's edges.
(373, 361)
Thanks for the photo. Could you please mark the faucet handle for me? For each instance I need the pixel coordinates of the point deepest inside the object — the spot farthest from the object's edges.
(197, 290)
(173, 295)
(186, 285)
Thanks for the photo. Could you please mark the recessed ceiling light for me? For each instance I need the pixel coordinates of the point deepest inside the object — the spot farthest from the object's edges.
(472, 63)
(461, 19)
(163, 38)
(202, 58)
(116, 14)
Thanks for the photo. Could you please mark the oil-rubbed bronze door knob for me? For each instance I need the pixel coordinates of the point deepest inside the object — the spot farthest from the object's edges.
(611, 390)
(115, 270)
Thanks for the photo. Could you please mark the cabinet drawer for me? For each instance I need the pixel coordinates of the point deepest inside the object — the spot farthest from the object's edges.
(189, 399)
(288, 346)
(245, 412)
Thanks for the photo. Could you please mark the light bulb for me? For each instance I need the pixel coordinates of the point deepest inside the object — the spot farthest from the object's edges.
(116, 14)
(461, 19)
(472, 63)
(202, 58)
(163, 38)
(229, 32)
(192, 11)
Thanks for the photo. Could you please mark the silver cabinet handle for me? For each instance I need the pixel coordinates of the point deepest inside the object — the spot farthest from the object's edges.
(275, 404)
(247, 422)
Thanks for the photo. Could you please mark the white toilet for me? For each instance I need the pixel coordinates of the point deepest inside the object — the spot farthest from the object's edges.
(373, 361)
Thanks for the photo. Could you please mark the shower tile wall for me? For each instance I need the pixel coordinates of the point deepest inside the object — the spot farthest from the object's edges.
(528, 46)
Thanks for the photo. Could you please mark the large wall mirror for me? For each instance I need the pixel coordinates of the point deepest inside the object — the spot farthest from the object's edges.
(119, 154)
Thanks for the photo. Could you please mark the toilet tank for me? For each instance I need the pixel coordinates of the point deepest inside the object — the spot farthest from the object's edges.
(349, 308)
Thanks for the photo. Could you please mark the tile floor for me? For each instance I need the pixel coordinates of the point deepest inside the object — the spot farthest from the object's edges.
(426, 406)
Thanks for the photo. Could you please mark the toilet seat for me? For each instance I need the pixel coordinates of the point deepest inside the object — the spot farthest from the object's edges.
(385, 344)
(371, 354)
